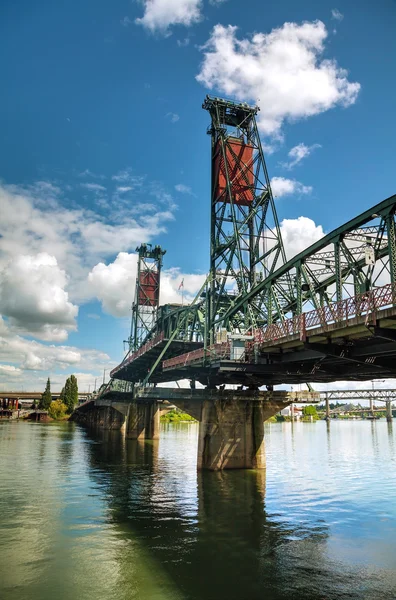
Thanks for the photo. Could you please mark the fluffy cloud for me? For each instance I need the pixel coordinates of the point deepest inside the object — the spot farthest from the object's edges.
(35, 221)
(159, 15)
(33, 355)
(298, 153)
(33, 297)
(298, 234)
(283, 71)
(10, 370)
(281, 186)
(170, 282)
(114, 284)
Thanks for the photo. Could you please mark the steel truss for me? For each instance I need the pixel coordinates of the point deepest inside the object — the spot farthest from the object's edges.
(353, 260)
(252, 288)
(145, 305)
(245, 240)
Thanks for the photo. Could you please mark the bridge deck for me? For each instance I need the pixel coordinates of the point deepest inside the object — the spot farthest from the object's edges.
(360, 348)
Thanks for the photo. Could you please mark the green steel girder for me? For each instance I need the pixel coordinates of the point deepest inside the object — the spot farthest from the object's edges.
(384, 211)
(247, 252)
(246, 243)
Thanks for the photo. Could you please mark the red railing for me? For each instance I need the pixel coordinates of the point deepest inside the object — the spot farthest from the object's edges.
(131, 357)
(338, 312)
(343, 311)
(215, 351)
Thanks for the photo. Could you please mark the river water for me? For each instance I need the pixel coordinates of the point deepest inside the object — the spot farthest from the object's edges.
(87, 516)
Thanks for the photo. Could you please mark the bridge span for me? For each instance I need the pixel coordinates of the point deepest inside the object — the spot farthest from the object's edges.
(388, 396)
(261, 318)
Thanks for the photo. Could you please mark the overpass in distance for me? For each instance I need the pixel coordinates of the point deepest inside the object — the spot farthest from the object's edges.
(261, 318)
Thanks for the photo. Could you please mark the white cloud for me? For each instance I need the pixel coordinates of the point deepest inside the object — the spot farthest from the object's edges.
(216, 2)
(47, 250)
(122, 189)
(298, 153)
(170, 282)
(183, 43)
(33, 297)
(336, 14)
(88, 173)
(114, 284)
(159, 15)
(126, 21)
(34, 221)
(281, 186)
(298, 234)
(173, 117)
(282, 71)
(93, 187)
(126, 176)
(33, 355)
(10, 370)
(183, 189)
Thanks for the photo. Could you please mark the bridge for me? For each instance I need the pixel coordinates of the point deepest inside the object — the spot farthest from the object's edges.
(13, 400)
(261, 318)
(388, 396)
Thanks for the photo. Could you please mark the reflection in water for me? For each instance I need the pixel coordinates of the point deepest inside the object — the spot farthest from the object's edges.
(95, 516)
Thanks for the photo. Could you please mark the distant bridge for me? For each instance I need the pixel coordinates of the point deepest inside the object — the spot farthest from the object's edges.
(374, 395)
(11, 400)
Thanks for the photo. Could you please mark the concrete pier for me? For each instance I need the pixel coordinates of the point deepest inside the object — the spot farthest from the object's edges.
(231, 422)
(231, 433)
(143, 421)
(389, 414)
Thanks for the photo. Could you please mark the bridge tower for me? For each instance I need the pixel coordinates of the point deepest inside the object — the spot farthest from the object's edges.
(245, 238)
(146, 302)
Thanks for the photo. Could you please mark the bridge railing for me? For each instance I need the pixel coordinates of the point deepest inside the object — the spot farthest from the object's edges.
(134, 355)
(343, 311)
(211, 353)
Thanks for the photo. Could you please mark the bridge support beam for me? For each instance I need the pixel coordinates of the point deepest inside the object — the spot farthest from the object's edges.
(389, 414)
(231, 433)
(327, 408)
(143, 420)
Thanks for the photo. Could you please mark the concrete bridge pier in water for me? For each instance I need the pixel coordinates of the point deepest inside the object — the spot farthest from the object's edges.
(231, 423)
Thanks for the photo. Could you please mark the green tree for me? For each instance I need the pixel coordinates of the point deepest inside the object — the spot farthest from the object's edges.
(74, 389)
(46, 398)
(310, 411)
(57, 410)
(70, 393)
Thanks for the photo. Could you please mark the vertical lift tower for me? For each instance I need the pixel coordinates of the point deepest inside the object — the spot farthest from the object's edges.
(245, 239)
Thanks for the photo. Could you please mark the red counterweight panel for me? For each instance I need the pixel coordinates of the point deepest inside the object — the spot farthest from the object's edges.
(149, 288)
(240, 171)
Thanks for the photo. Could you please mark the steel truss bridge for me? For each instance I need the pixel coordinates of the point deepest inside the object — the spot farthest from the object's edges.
(262, 317)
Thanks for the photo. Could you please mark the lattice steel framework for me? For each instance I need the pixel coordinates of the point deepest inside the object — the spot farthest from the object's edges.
(245, 240)
(350, 261)
(145, 305)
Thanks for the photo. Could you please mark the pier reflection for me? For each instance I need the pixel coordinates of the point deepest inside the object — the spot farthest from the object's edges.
(208, 534)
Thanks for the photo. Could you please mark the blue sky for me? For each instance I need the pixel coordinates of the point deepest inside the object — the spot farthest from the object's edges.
(104, 145)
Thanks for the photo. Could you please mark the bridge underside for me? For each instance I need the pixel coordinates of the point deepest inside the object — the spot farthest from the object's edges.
(359, 349)
(136, 369)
